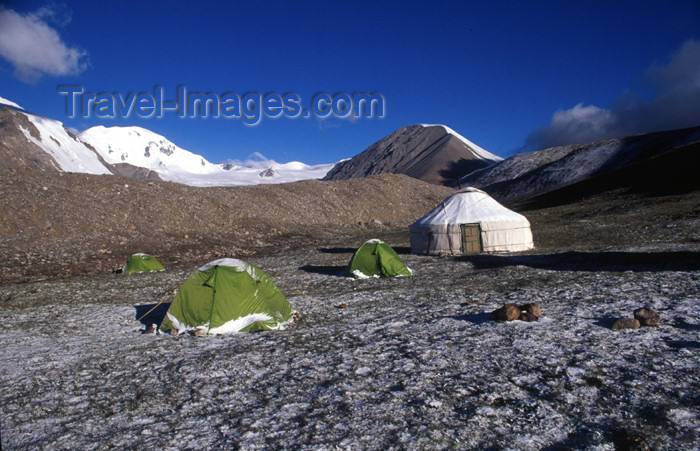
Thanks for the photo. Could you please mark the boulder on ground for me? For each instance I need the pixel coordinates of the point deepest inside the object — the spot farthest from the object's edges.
(647, 317)
(625, 323)
(375, 224)
(508, 312)
(529, 317)
(533, 309)
(511, 312)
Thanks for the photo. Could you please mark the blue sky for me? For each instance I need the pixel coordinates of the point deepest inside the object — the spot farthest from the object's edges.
(509, 76)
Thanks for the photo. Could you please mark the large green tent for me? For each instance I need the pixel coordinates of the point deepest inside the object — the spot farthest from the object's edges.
(375, 258)
(142, 263)
(226, 296)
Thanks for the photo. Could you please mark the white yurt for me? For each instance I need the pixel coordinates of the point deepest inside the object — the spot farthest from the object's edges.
(470, 221)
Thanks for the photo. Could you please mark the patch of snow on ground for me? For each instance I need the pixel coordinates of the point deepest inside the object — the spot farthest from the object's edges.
(387, 363)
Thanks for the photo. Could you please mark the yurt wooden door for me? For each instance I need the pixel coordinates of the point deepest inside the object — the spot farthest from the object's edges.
(471, 238)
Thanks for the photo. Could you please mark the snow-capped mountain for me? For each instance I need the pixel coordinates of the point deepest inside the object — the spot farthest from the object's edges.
(31, 140)
(143, 148)
(433, 153)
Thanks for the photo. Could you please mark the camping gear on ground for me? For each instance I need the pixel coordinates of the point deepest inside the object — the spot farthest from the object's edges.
(375, 258)
(142, 263)
(470, 222)
(226, 296)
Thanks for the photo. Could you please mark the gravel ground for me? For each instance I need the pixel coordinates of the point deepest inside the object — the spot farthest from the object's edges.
(402, 363)
(63, 224)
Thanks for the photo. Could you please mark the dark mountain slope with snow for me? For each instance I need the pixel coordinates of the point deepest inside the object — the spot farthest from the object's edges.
(674, 172)
(16, 150)
(432, 153)
(658, 161)
(36, 142)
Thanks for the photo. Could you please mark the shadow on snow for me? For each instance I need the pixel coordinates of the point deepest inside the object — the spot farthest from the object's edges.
(592, 261)
(325, 270)
(149, 314)
(337, 250)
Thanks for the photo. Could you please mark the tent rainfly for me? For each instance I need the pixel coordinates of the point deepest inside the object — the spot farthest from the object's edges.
(226, 296)
(375, 258)
(470, 221)
(142, 263)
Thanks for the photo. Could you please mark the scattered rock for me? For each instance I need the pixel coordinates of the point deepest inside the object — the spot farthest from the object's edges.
(647, 317)
(529, 317)
(533, 309)
(508, 312)
(151, 329)
(511, 312)
(643, 316)
(198, 332)
(342, 305)
(625, 323)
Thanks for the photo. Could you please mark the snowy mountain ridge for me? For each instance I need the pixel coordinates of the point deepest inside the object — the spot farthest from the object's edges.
(45, 143)
(143, 148)
(10, 103)
(477, 150)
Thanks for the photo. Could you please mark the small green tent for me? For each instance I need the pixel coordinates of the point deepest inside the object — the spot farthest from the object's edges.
(142, 263)
(375, 258)
(226, 296)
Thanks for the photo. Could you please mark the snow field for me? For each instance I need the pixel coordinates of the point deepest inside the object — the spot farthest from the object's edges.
(403, 363)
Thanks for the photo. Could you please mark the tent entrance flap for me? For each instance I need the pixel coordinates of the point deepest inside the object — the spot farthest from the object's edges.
(471, 238)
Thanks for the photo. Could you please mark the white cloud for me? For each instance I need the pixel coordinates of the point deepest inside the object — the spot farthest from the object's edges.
(256, 160)
(674, 103)
(576, 125)
(35, 48)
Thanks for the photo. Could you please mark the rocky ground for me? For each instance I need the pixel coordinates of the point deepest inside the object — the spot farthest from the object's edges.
(402, 363)
(63, 224)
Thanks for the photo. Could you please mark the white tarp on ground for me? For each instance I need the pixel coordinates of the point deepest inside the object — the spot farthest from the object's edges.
(440, 231)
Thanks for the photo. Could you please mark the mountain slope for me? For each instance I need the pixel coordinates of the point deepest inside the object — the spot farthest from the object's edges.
(670, 173)
(432, 153)
(530, 174)
(29, 140)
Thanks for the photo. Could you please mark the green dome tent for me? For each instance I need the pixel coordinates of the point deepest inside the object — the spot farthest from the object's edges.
(142, 263)
(226, 296)
(375, 258)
